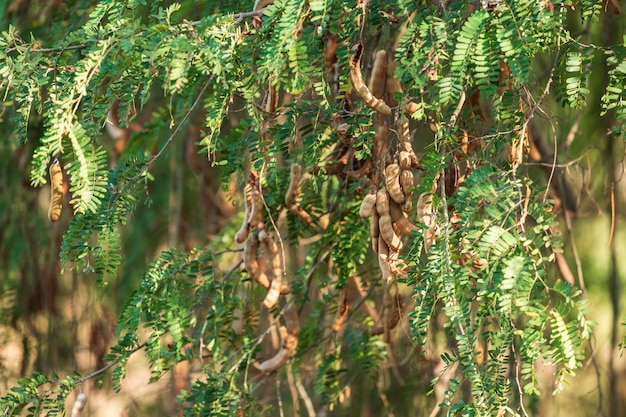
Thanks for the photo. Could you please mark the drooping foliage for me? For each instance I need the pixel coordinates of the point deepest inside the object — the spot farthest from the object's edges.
(470, 286)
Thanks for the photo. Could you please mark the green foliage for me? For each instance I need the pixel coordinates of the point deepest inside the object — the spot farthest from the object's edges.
(483, 296)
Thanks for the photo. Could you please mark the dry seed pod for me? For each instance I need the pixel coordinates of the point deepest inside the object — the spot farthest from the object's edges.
(378, 77)
(392, 182)
(425, 209)
(272, 294)
(404, 225)
(294, 183)
(275, 362)
(392, 84)
(79, 405)
(404, 143)
(383, 259)
(256, 211)
(405, 160)
(374, 230)
(356, 78)
(243, 233)
(386, 231)
(342, 311)
(382, 202)
(251, 263)
(367, 205)
(407, 206)
(302, 214)
(410, 108)
(56, 191)
(289, 344)
(407, 181)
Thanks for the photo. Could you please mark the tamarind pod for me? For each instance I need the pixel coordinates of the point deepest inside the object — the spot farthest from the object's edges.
(430, 236)
(365, 94)
(243, 233)
(404, 225)
(252, 264)
(79, 405)
(342, 311)
(249, 256)
(275, 362)
(392, 183)
(392, 85)
(398, 272)
(374, 231)
(285, 289)
(425, 209)
(56, 191)
(386, 231)
(256, 211)
(271, 298)
(407, 206)
(378, 76)
(381, 142)
(404, 134)
(405, 160)
(294, 183)
(383, 259)
(382, 202)
(407, 182)
(367, 205)
(410, 108)
(302, 214)
(292, 321)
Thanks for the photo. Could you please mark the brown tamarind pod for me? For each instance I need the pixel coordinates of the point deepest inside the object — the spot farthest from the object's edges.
(256, 212)
(405, 160)
(407, 205)
(425, 209)
(407, 181)
(275, 362)
(382, 202)
(79, 405)
(392, 85)
(56, 191)
(301, 214)
(404, 225)
(356, 78)
(367, 205)
(389, 235)
(342, 311)
(294, 183)
(271, 298)
(243, 233)
(410, 108)
(383, 259)
(251, 262)
(378, 76)
(289, 344)
(392, 183)
(405, 145)
(374, 231)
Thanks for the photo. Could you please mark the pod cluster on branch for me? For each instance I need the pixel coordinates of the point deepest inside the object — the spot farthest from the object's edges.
(388, 221)
(264, 267)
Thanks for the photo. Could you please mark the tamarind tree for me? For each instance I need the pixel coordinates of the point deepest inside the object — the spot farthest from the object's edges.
(302, 206)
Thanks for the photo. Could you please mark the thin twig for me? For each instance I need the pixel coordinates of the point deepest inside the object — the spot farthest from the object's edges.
(109, 366)
(173, 135)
